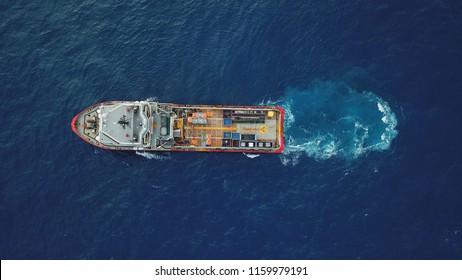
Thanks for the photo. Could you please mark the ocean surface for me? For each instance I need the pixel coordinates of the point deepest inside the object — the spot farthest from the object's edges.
(373, 162)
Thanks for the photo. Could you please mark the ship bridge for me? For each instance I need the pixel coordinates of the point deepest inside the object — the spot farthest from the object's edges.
(125, 124)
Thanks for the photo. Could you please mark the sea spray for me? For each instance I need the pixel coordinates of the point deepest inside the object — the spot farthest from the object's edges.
(156, 156)
(251, 155)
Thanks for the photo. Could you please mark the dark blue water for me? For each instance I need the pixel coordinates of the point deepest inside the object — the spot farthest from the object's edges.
(372, 168)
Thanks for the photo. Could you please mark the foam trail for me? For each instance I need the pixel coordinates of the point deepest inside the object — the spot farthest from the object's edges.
(330, 119)
(251, 155)
(155, 156)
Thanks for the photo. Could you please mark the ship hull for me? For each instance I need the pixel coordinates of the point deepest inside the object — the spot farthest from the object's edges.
(168, 127)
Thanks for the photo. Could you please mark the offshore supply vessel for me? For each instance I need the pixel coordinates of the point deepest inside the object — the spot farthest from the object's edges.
(155, 126)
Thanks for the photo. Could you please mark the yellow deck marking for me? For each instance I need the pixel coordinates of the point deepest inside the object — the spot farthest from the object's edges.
(180, 126)
(180, 122)
(263, 129)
